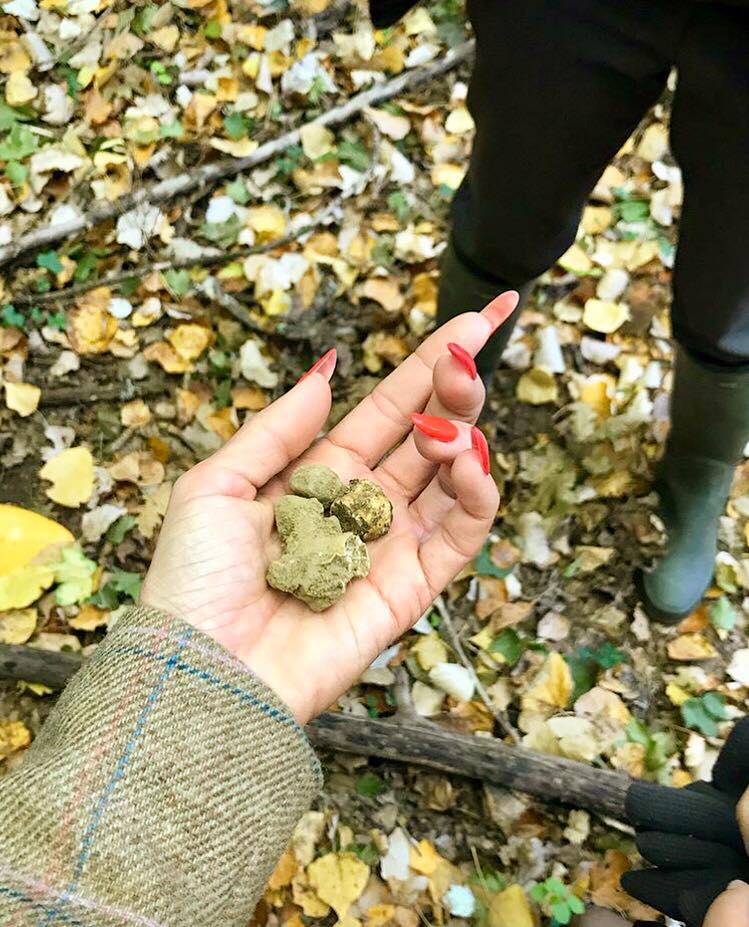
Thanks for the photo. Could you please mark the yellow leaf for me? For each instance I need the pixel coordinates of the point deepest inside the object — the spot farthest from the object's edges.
(24, 585)
(22, 398)
(552, 687)
(676, 695)
(190, 340)
(459, 122)
(380, 915)
(14, 735)
(575, 260)
(17, 625)
(284, 872)
(90, 327)
(316, 140)
(276, 302)
(71, 473)
(510, 908)
(237, 148)
(424, 858)
(385, 291)
(537, 386)
(139, 467)
(690, 647)
(394, 127)
(89, 618)
(448, 175)
(596, 219)
(338, 879)
(135, 414)
(24, 535)
(19, 89)
(267, 222)
(165, 355)
(597, 391)
(429, 650)
(604, 315)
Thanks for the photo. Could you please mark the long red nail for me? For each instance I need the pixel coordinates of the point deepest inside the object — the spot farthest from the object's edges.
(464, 358)
(480, 445)
(325, 366)
(441, 429)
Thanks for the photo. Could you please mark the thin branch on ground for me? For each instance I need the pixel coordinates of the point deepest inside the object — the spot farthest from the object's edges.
(209, 175)
(499, 717)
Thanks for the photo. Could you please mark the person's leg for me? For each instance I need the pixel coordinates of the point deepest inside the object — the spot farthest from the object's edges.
(557, 87)
(710, 312)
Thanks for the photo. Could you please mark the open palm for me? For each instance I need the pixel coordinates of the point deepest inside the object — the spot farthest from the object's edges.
(217, 539)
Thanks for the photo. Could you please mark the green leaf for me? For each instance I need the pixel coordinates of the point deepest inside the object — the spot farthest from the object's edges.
(485, 566)
(399, 204)
(697, 717)
(128, 584)
(561, 912)
(222, 233)
(509, 644)
(722, 615)
(16, 173)
(637, 732)
(576, 905)
(11, 317)
(75, 575)
(291, 160)
(367, 852)
(584, 673)
(117, 531)
(608, 656)
(715, 704)
(10, 115)
(49, 261)
(633, 210)
(212, 29)
(370, 785)
(237, 190)
(236, 125)
(179, 282)
(18, 144)
(85, 267)
(355, 154)
(57, 320)
(222, 394)
(538, 892)
(172, 129)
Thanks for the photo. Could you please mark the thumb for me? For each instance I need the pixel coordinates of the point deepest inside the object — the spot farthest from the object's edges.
(730, 908)
(270, 440)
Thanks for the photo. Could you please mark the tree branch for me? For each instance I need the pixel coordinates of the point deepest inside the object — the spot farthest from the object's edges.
(549, 778)
(209, 175)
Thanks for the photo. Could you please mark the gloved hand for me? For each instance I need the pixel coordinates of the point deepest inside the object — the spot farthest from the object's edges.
(695, 836)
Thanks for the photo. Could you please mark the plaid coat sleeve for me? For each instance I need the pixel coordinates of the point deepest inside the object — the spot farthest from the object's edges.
(159, 793)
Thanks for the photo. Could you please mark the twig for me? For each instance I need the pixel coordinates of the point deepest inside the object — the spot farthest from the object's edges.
(210, 174)
(107, 392)
(498, 716)
(549, 778)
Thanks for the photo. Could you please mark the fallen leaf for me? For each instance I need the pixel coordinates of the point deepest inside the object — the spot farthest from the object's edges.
(552, 688)
(89, 618)
(22, 398)
(17, 625)
(267, 221)
(604, 315)
(338, 879)
(71, 473)
(139, 467)
(190, 340)
(429, 650)
(14, 736)
(606, 889)
(510, 908)
(24, 535)
(690, 647)
(385, 291)
(537, 386)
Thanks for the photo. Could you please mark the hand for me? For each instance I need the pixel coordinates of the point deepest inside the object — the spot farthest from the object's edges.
(217, 538)
(731, 908)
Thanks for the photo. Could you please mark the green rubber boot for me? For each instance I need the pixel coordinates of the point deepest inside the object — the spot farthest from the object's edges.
(709, 429)
(462, 289)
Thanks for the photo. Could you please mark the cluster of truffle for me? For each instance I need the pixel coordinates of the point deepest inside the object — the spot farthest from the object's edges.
(323, 527)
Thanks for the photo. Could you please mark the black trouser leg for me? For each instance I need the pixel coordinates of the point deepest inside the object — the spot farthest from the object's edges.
(557, 87)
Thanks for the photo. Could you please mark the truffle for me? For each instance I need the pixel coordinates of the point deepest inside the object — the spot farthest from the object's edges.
(364, 509)
(316, 481)
(319, 559)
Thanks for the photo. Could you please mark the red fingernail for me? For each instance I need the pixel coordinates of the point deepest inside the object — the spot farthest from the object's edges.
(325, 366)
(479, 444)
(441, 429)
(464, 358)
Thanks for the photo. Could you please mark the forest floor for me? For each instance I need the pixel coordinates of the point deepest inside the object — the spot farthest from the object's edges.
(123, 376)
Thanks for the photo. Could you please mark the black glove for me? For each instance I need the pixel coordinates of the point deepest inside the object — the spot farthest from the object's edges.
(691, 836)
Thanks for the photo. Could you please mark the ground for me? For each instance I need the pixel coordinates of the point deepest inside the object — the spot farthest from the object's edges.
(135, 346)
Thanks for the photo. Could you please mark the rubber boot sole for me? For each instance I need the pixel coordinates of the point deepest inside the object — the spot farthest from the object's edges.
(652, 610)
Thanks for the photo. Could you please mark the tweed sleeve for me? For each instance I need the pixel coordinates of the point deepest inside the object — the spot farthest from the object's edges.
(159, 793)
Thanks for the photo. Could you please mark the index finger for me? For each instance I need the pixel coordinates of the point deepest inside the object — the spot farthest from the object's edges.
(382, 419)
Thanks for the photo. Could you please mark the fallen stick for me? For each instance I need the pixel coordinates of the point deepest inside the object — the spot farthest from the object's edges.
(107, 392)
(424, 743)
(210, 174)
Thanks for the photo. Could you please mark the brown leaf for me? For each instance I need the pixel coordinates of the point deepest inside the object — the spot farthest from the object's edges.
(606, 889)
